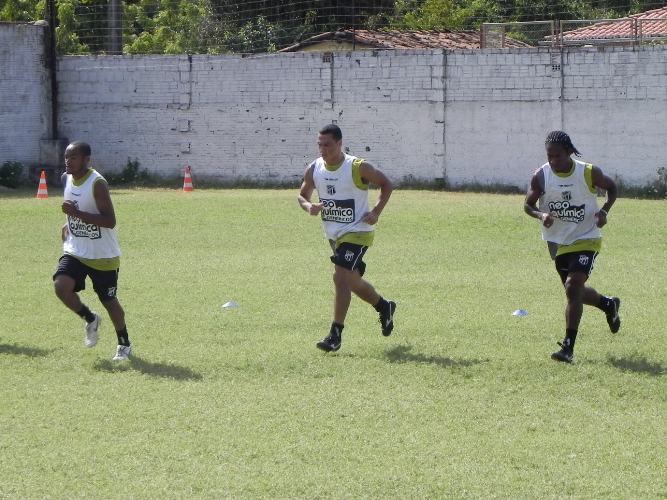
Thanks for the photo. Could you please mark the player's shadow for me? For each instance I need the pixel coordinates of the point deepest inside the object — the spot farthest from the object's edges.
(164, 370)
(402, 354)
(20, 350)
(637, 364)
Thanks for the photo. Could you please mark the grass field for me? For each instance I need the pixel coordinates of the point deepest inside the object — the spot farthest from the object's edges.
(461, 401)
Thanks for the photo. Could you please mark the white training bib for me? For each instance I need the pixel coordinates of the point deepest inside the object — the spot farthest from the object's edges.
(344, 202)
(84, 240)
(572, 204)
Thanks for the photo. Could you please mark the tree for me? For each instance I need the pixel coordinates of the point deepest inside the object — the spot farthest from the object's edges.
(21, 10)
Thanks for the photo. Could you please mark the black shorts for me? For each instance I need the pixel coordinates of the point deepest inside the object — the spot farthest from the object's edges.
(105, 283)
(575, 262)
(349, 256)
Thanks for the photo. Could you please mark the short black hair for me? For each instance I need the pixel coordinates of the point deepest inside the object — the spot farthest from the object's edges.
(81, 147)
(561, 138)
(333, 130)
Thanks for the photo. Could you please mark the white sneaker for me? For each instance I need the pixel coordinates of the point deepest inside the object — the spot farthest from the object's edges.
(91, 332)
(122, 353)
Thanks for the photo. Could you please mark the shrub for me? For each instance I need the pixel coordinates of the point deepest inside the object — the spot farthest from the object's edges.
(10, 174)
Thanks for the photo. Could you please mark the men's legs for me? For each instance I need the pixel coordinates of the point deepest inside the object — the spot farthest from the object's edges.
(574, 291)
(361, 288)
(608, 305)
(117, 316)
(68, 279)
(347, 276)
(343, 293)
(64, 288)
(342, 299)
(106, 285)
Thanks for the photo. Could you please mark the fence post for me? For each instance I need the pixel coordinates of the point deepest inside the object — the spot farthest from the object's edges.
(115, 20)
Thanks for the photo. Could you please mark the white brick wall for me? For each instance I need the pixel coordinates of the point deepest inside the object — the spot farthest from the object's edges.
(470, 115)
(499, 109)
(25, 112)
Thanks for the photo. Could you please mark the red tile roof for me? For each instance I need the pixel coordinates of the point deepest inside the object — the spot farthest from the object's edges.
(651, 23)
(402, 39)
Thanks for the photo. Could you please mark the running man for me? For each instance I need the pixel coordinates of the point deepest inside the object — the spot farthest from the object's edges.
(571, 222)
(90, 247)
(342, 183)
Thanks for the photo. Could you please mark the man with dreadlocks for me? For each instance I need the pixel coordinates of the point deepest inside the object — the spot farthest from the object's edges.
(571, 221)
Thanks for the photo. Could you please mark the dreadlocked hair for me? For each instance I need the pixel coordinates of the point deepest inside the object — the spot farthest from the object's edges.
(561, 138)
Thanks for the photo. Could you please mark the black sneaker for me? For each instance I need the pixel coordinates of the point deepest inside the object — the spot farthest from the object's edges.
(330, 343)
(387, 318)
(613, 319)
(565, 354)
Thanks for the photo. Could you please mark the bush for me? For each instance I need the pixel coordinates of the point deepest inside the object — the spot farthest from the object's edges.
(655, 189)
(10, 174)
(130, 174)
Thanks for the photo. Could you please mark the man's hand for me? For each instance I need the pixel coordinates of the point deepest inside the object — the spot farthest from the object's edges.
(64, 232)
(69, 207)
(315, 208)
(601, 218)
(370, 218)
(547, 219)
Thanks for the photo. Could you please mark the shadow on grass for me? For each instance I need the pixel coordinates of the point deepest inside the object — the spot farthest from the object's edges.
(402, 354)
(637, 364)
(140, 365)
(33, 352)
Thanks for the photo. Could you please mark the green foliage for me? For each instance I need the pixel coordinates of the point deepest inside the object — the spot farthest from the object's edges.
(10, 174)
(176, 27)
(21, 10)
(219, 26)
(131, 174)
(67, 39)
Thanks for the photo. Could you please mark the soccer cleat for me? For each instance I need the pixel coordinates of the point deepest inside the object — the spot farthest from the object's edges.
(566, 355)
(387, 318)
(91, 330)
(329, 343)
(123, 352)
(613, 319)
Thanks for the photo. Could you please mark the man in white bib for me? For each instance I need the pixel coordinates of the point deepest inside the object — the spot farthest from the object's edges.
(90, 247)
(342, 183)
(571, 221)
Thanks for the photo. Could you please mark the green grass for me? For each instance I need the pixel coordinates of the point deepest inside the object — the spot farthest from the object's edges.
(462, 401)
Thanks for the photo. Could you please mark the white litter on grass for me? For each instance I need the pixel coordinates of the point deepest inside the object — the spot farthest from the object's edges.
(230, 305)
(520, 312)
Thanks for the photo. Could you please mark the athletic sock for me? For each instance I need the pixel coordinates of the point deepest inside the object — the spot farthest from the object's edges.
(123, 338)
(86, 314)
(605, 304)
(336, 329)
(570, 337)
(381, 305)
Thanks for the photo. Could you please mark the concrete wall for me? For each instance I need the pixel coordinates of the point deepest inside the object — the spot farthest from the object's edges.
(25, 109)
(472, 116)
(500, 104)
(469, 116)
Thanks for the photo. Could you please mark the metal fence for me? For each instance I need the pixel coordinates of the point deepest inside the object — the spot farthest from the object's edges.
(504, 35)
(624, 31)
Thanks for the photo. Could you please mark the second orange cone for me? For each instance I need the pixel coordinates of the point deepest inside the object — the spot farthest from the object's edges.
(42, 192)
(187, 180)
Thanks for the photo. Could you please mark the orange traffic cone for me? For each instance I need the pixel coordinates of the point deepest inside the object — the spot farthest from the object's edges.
(41, 190)
(187, 180)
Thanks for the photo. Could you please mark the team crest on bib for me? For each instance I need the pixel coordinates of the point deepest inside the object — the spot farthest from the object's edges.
(331, 189)
(567, 195)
